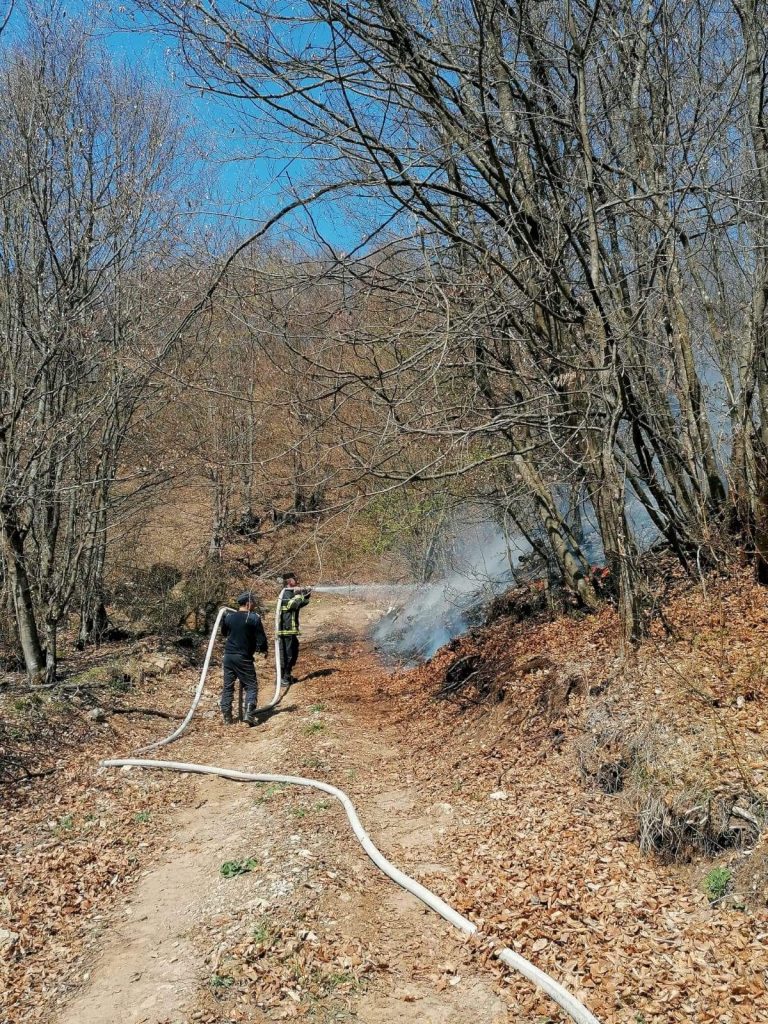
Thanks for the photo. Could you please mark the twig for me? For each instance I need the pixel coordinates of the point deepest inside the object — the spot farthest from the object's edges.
(739, 812)
(456, 684)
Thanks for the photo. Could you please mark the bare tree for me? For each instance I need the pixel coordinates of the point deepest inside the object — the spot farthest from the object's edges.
(587, 183)
(88, 178)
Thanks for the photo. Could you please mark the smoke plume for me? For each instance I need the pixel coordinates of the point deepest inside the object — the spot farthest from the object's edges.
(431, 614)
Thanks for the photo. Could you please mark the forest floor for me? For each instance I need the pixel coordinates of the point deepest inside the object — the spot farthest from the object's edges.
(116, 909)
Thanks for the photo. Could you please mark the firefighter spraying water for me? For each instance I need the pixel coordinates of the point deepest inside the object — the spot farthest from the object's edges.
(245, 636)
(292, 600)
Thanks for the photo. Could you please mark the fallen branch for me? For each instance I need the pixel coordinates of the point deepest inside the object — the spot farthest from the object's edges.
(739, 812)
(12, 691)
(143, 711)
(5, 781)
(456, 684)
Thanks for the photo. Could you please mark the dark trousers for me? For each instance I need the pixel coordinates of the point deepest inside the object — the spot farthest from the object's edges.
(289, 654)
(241, 668)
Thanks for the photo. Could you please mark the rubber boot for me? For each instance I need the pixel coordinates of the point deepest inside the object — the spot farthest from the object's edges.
(226, 714)
(250, 714)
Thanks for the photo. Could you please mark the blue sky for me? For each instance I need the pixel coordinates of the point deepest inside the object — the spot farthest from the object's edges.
(247, 186)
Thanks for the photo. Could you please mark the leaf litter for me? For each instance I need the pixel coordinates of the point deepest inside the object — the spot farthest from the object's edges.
(554, 869)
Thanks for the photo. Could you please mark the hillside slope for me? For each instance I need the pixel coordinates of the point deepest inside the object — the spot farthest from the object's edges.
(611, 806)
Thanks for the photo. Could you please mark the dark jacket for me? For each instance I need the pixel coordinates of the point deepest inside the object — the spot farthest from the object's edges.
(292, 603)
(245, 634)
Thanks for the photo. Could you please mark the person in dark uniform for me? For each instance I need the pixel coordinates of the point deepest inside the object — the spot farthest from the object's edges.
(245, 636)
(293, 601)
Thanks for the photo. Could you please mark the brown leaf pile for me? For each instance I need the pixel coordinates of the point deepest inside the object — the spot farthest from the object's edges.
(553, 868)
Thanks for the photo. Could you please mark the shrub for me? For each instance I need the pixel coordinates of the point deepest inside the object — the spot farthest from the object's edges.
(232, 868)
(717, 883)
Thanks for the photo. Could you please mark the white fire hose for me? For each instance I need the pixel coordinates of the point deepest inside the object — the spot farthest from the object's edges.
(553, 989)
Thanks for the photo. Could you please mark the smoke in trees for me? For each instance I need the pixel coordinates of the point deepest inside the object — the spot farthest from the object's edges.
(589, 183)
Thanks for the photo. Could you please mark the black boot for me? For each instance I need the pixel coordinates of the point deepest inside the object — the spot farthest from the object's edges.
(250, 714)
(226, 714)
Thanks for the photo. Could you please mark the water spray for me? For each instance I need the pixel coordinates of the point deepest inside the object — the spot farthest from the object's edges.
(363, 588)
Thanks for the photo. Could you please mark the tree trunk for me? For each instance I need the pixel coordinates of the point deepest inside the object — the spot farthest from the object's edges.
(93, 614)
(51, 651)
(220, 516)
(761, 529)
(564, 545)
(608, 501)
(752, 15)
(94, 620)
(29, 638)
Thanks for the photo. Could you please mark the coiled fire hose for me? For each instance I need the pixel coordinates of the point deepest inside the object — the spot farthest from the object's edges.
(576, 1010)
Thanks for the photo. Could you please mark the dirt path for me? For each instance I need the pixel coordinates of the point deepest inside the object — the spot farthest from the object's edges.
(313, 930)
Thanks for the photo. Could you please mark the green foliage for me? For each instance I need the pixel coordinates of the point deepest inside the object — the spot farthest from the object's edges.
(142, 817)
(716, 883)
(320, 706)
(220, 981)
(27, 705)
(314, 727)
(233, 868)
(264, 933)
(334, 980)
(64, 827)
(312, 761)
